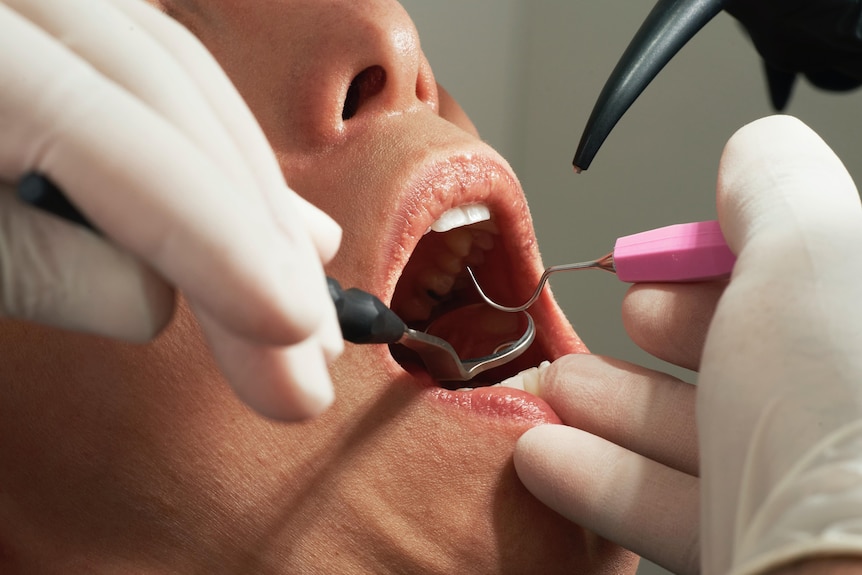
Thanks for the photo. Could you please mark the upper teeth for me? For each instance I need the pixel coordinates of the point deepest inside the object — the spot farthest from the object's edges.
(455, 247)
(461, 216)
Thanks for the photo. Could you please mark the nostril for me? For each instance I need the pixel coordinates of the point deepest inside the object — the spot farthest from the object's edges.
(367, 84)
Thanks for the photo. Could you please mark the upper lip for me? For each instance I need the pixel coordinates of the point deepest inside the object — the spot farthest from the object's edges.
(458, 180)
(469, 178)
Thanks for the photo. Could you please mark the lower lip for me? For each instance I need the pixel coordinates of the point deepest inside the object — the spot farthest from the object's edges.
(502, 402)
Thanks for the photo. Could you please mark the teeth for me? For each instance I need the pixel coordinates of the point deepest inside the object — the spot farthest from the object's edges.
(458, 247)
(528, 380)
(461, 216)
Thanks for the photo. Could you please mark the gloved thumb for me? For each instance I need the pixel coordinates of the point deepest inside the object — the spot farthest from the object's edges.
(779, 375)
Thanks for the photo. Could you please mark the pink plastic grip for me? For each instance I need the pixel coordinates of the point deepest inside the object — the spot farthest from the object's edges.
(679, 253)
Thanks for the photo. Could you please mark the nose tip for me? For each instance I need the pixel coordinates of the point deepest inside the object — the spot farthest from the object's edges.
(389, 72)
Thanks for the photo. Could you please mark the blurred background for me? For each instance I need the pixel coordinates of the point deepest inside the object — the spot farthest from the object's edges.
(528, 73)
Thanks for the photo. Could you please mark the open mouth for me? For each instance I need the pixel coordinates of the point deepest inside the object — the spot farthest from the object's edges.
(434, 294)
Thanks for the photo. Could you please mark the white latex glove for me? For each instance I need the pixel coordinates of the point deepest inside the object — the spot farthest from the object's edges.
(779, 397)
(127, 113)
(624, 464)
(780, 389)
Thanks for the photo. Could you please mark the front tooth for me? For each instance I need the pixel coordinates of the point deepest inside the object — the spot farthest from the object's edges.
(528, 380)
(461, 216)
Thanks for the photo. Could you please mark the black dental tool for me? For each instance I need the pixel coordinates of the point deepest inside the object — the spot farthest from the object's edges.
(667, 28)
(818, 39)
(363, 318)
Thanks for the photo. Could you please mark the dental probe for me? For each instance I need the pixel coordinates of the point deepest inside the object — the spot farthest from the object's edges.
(679, 253)
(667, 28)
(366, 319)
(363, 318)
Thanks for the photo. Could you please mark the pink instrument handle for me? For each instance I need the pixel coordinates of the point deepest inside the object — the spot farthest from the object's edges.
(678, 253)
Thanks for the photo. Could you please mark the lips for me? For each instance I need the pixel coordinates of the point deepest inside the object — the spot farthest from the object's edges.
(426, 283)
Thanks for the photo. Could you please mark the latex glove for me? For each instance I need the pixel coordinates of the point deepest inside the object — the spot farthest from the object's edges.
(780, 388)
(821, 39)
(779, 410)
(126, 112)
(624, 464)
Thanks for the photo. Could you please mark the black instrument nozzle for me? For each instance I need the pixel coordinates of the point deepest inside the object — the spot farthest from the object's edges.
(363, 317)
(667, 28)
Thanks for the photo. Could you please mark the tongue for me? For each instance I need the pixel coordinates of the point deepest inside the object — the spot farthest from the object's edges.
(478, 330)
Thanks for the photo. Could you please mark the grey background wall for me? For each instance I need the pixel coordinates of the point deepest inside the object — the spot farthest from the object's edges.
(528, 72)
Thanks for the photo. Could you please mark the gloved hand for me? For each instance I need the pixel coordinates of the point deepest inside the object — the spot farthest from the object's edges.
(780, 397)
(624, 464)
(127, 113)
(779, 415)
(821, 39)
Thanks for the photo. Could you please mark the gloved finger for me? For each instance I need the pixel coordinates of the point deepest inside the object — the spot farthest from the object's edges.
(781, 362)
(325, 233)
(61, 274)
(644, 411)
(670, 321)
(164, 213)
(765, 201)
(250, 142)
(643, 505)
(285, 383)
(148, 69)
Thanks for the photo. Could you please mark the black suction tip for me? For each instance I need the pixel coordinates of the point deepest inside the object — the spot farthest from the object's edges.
(667, 28)
(780, 84)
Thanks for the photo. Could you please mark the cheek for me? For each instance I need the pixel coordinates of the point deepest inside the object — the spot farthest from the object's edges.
(452, 111)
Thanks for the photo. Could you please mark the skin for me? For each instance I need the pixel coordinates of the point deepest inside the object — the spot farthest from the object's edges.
(123, 458)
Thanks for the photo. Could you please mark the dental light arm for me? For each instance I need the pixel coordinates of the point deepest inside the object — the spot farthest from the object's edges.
(821, 39)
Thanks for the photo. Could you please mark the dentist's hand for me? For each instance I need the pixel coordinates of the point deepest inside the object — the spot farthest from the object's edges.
(127, 113)
(625, 464)
(778, 408)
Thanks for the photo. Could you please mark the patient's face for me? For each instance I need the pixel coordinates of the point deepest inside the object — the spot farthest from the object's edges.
(142, 458)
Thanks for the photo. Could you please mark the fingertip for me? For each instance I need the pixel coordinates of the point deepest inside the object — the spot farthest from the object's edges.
(777, 174)
(285, 383)
(305, 391)
(289, 304)
(331, 338)
(565, 379)
(324, 231)
(546, 461)
(533, 455)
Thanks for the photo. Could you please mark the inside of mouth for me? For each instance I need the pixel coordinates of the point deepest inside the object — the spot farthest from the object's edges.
(435, 295)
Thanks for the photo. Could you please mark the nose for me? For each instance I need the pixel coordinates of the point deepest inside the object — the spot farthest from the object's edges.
(367, 63)
(391, 72)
